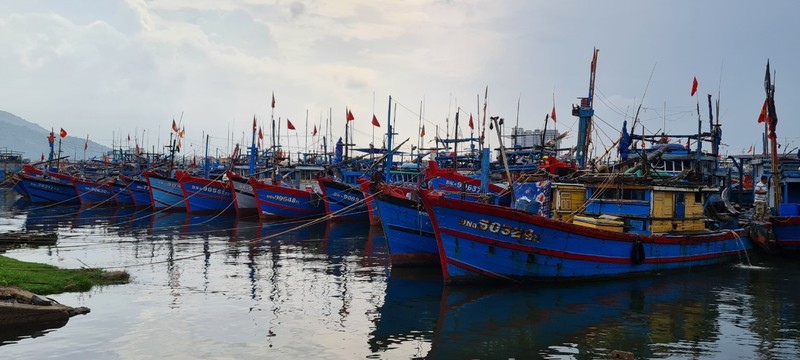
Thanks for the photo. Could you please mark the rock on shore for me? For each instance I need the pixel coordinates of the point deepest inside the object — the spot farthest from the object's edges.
(23, 308)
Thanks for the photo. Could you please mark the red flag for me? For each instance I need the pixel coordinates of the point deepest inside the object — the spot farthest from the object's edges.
(174, 126)
(694, 85)
(750, 150)
(254, 123)
(42, 156)
(763, 116)
(422, 133)
(260, 134)
(471, 125)
(315, 131)
(375, 121)
(350, 116)
(63, 133)
(289, 124)
(137, 150)
(86, 145)
(273, 100)
(553, 114)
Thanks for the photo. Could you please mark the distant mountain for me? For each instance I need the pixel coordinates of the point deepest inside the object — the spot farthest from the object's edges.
(18, 134)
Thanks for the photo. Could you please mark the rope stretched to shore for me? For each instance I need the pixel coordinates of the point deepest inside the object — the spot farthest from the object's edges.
(256, 240)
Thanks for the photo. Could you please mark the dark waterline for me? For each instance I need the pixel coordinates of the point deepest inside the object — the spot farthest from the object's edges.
(219, 287)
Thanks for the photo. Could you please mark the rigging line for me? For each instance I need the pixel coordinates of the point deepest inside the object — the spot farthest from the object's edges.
(413, 112)
(601, 130)
(610, 104)
(597, 128)
(602, 94)
(647, 86)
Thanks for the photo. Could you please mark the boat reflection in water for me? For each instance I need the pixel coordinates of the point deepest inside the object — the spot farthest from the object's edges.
(409, 312)
(48, 218)
(651, 317)
(93, 216)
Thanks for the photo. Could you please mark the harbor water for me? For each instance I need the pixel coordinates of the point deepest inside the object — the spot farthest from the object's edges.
(218, 287)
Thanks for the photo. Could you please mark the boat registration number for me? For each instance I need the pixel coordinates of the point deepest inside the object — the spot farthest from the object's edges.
(502, 229)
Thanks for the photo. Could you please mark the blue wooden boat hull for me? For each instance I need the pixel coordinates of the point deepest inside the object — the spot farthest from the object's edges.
(90, 192)
(43, 190)
(283, 202)
(787, 233)
(409, 232)
(165, 193)
(121, 194)
(139, 192)
(343, 201)
(205, 196)
(479, 242)
(19, 187)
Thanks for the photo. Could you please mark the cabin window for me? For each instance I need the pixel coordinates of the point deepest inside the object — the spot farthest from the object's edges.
(698, 198)
(616, 194)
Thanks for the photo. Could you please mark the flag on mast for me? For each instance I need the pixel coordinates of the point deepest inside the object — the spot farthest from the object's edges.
(289, 124)
(694, 86)
(763, 117)
(63, 133)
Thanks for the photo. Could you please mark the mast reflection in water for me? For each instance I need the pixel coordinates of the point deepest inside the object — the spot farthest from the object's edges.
(217, 286)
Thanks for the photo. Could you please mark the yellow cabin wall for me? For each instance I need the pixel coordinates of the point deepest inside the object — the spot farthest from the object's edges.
(568, 199)
(664, 208)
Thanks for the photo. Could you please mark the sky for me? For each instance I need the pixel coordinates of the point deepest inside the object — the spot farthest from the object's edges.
(113, 68)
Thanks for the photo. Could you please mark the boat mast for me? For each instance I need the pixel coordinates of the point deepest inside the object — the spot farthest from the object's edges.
(253, 150)
(585, 111)
(389, 136)
(772, 119)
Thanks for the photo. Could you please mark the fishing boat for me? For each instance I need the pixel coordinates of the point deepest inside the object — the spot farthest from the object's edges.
(296, 195)
(407, 226)
(781, 233)
(138, 189)
(629, 223)
(625, 229)
(206, 196)
(122, 196)
(51, 188)
(165, 191)
(343, 201)
(93, 192)
(244, 198)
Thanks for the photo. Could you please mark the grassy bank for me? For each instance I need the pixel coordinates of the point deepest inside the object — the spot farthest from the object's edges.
(46, 279)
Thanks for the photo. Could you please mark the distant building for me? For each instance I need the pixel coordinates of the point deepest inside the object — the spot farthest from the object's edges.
(528, 138)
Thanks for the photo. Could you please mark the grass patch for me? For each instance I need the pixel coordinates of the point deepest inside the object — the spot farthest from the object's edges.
(46, 279)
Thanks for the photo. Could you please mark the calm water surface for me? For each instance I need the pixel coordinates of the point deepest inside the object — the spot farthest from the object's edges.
(220, 288)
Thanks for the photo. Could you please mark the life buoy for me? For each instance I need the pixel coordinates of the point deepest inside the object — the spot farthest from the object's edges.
(637, 252)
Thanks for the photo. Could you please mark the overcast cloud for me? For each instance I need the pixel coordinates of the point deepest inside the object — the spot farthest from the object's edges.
(128, 67)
